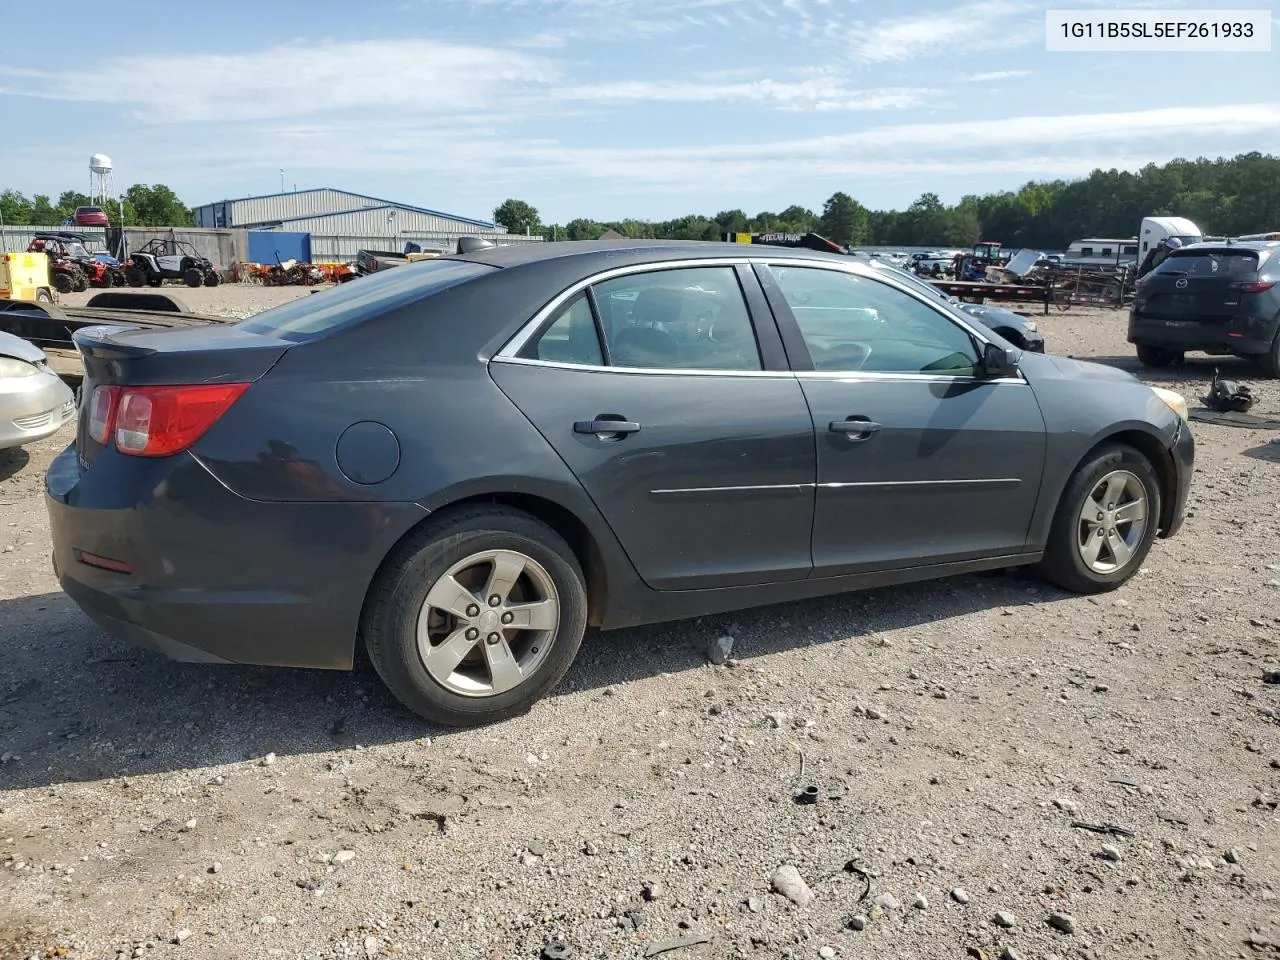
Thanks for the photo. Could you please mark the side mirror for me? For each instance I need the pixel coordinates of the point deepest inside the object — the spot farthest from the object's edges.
(998, 362)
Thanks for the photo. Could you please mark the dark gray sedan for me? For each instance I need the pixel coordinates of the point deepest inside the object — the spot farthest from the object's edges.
(469, 460)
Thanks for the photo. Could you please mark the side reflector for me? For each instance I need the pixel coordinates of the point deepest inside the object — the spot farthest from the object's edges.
(102, 563)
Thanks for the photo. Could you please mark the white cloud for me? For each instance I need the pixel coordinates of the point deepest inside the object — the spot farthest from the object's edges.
(808, 94)
(293, 80)
(958, 30)
(993, 76)
(417, 79)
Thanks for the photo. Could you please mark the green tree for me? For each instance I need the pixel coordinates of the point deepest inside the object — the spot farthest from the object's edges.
(43, 213)
(69, 200)
(157, 206)
(844, 220)
(15, 209)
(517, 216)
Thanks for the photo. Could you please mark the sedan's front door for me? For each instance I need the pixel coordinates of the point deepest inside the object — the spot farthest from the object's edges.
(920, 459)
(651, 387)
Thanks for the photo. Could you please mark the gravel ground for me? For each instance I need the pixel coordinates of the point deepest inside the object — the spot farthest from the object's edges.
(957, 733)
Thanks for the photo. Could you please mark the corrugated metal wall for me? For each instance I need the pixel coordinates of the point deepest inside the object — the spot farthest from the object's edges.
(16, 239)
(331, 249)
(304, 203)
(376, 221)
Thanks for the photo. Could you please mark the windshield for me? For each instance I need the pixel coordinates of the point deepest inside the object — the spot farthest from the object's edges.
(922, 286)
(360, 299)
(1213, 263)
(77, 251)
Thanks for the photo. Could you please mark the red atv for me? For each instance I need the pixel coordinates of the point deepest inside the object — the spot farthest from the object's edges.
(71, 265)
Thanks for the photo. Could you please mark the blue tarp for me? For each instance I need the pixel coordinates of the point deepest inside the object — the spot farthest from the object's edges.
(266, 245)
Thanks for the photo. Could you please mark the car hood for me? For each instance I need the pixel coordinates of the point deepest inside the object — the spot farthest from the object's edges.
(1065, 368)
(16, 347)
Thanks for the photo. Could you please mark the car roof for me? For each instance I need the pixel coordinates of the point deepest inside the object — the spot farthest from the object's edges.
(637, 251)
(1254, 246)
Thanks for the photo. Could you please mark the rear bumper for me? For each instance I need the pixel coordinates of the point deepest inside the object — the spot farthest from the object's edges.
(1183, 453)
(215, 577)
(1242, 335)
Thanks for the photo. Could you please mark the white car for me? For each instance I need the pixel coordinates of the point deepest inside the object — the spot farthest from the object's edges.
(34, 401)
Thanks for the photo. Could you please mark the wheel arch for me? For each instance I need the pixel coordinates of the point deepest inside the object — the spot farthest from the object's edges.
(560, 518)
(1158, 455)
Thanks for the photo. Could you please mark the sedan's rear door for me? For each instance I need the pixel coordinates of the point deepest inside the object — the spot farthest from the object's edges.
(676, 412)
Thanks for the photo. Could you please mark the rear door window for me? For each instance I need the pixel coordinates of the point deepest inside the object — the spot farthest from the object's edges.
(356, 300)
(690, 318)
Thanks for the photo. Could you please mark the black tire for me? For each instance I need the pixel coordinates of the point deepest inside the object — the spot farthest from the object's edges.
(1270, 361)
(193, 276)
(389, 621)
(80, 280)
(155, 280)
(1155, 357)
(1063, 564)
(44, 296)
(211, 278)
(63, 282)
(135, 276)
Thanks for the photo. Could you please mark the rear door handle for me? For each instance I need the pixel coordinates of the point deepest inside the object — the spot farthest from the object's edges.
(606, 426)
(857, 428)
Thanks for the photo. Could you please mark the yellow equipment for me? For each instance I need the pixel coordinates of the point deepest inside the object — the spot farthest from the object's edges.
(25, 276)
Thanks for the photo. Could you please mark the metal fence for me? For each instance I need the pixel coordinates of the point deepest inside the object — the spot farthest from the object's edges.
(225, 247)
(333, 249)
(16, 239)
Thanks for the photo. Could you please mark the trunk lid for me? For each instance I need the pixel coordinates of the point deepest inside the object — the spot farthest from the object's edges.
(1200, 287)
(138, 356)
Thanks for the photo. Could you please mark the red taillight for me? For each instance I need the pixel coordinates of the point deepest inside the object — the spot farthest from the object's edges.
(158, 421)
(1259, 286)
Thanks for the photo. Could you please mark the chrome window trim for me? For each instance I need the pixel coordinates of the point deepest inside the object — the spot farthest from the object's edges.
(854, 376)
(645, 371)
(509, 353)
(767, 374)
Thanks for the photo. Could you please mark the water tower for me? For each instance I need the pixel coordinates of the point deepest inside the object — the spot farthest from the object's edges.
(101, 185)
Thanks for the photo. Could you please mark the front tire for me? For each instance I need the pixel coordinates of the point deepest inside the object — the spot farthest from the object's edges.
(135, 276)
(63, 282)
(1105, 523)
(193, 277)
(476, 617)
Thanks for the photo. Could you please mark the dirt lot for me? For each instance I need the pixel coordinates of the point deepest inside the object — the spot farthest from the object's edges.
(957, 731)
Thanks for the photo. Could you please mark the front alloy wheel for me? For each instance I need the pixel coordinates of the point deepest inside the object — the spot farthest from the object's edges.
(1105, 521)
(1113, 522)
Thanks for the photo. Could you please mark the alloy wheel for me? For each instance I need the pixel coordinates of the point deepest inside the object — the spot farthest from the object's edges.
(488, 623)
(1112, 522)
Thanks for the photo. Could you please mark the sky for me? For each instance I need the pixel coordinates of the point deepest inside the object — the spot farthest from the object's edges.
(615, 108)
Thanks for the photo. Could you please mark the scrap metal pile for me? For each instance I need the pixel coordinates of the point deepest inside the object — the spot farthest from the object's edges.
(1069, 283)
(294, 273)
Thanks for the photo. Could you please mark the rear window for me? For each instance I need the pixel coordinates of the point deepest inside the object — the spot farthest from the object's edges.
(1225, 263)
(88, 209)
(355, 300)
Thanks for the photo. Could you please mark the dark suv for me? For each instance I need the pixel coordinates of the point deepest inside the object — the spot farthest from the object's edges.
(1220, 298)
